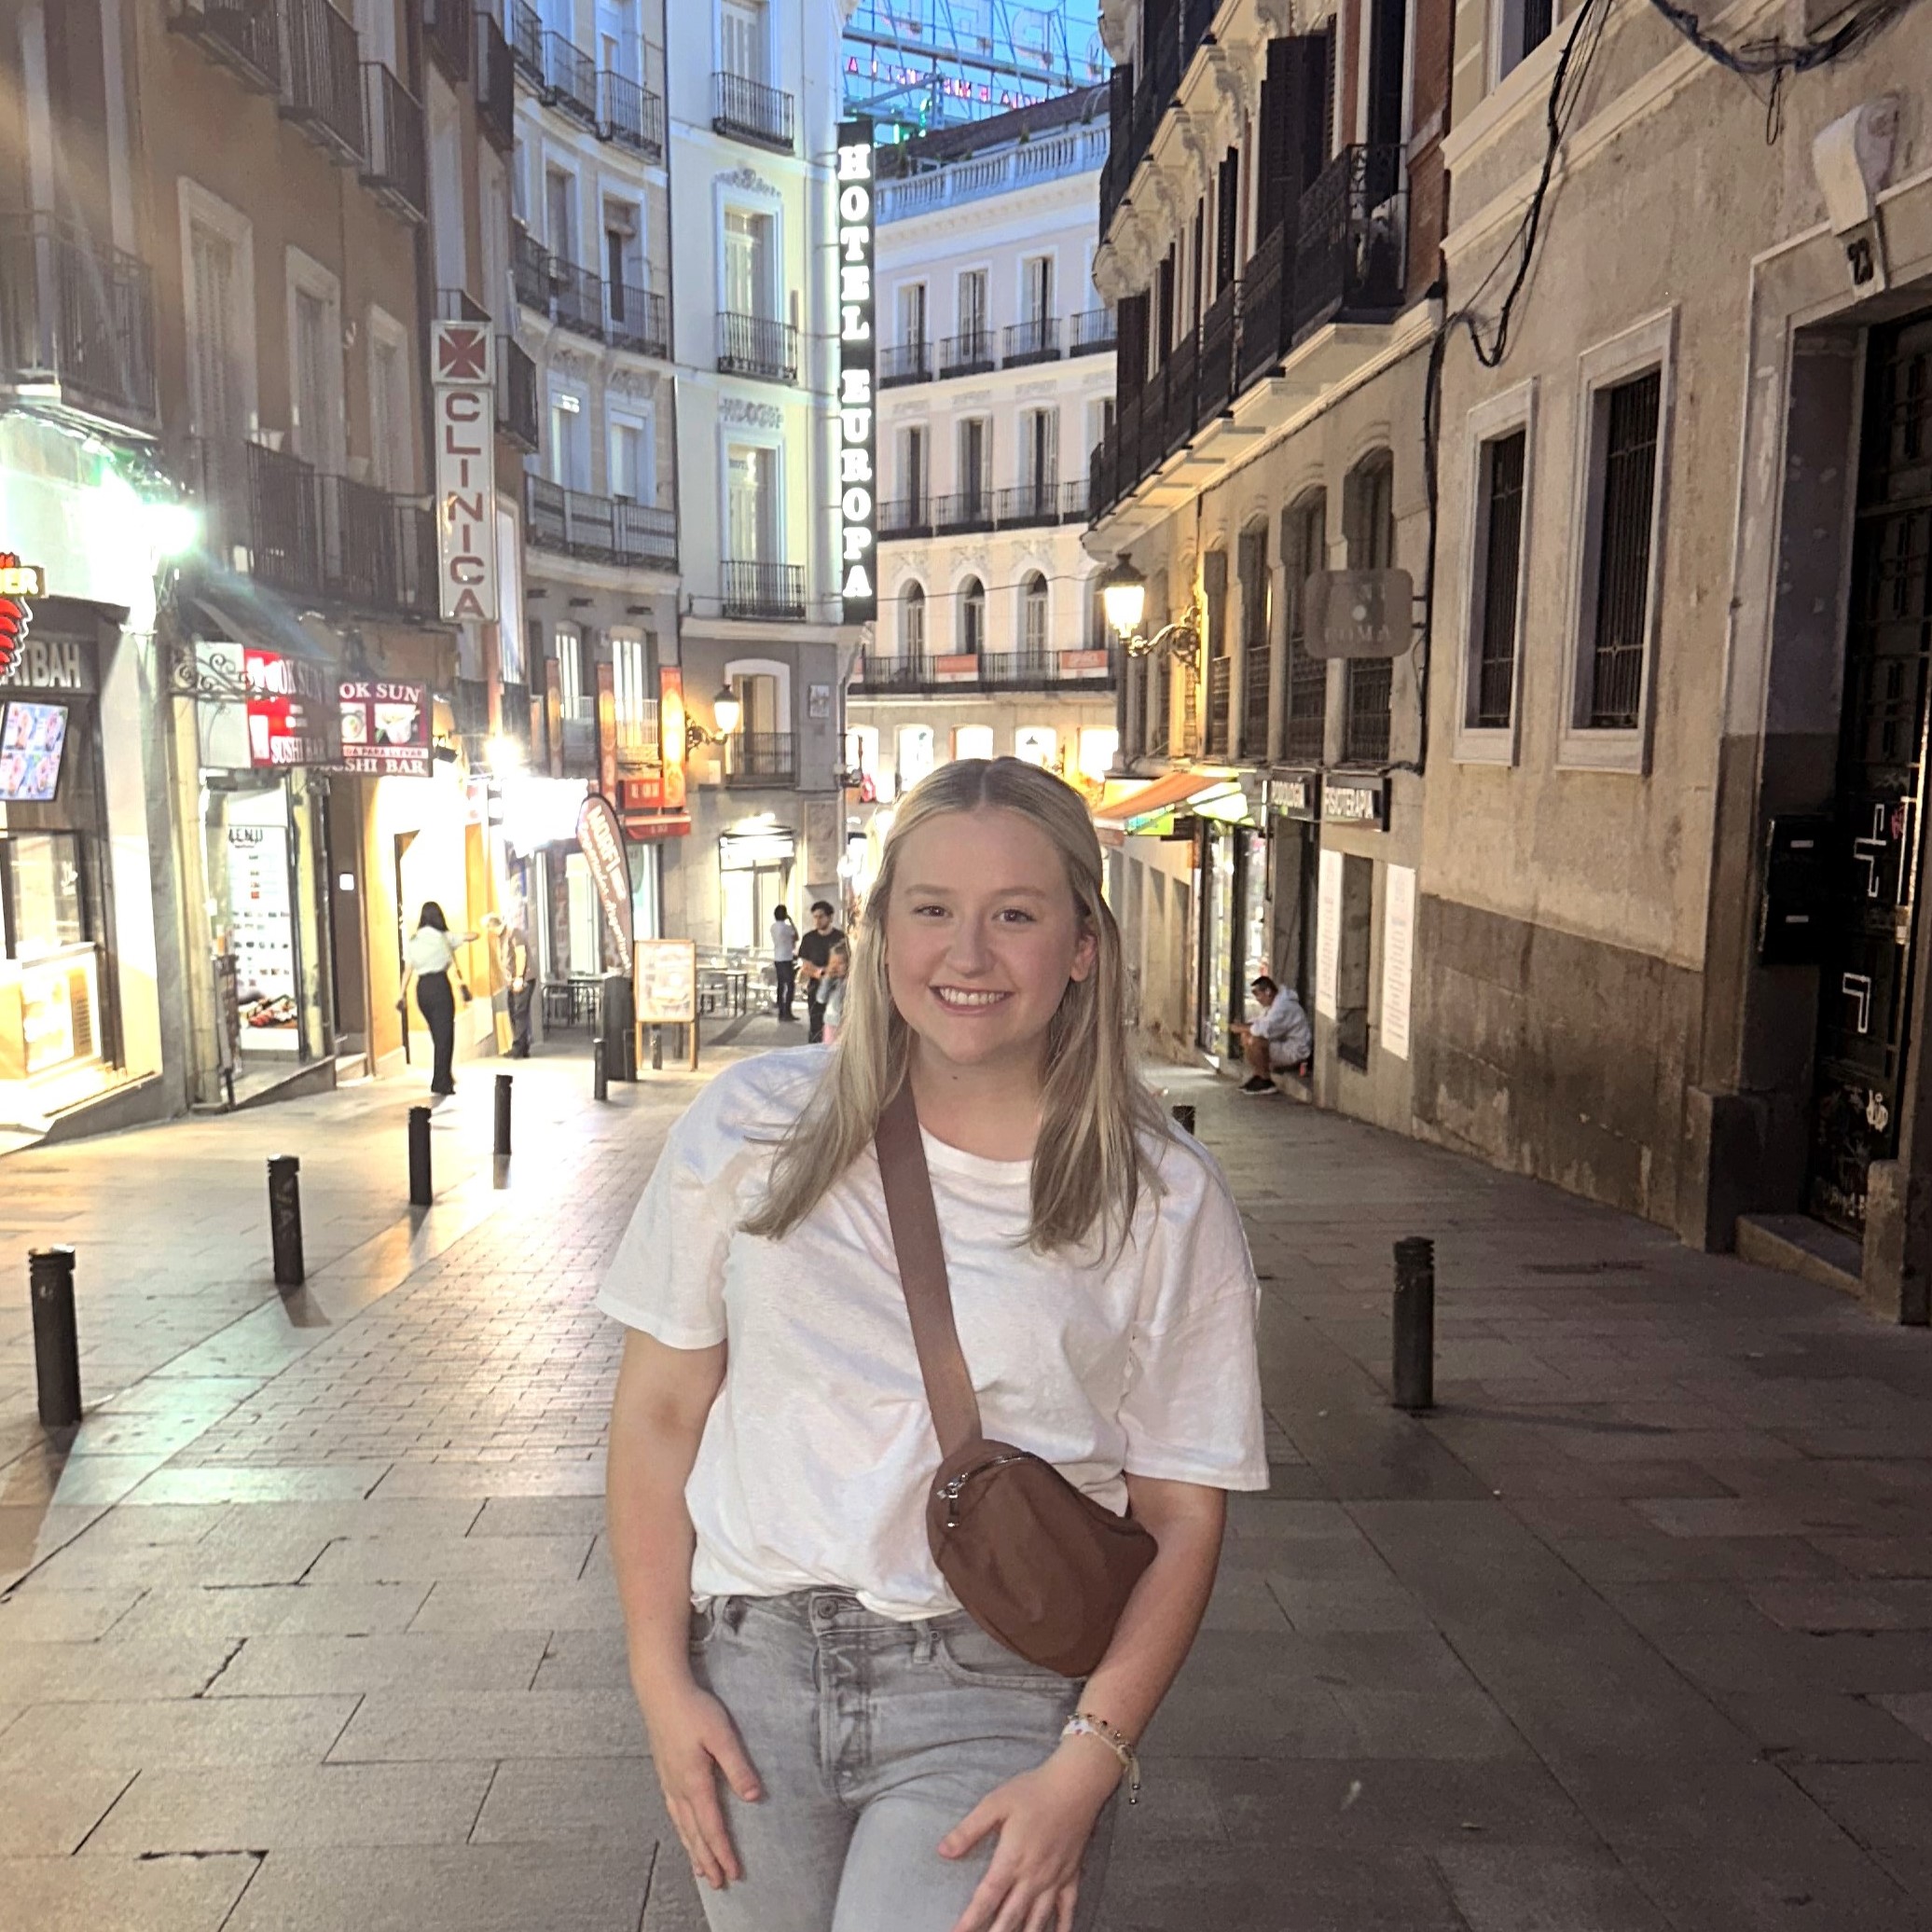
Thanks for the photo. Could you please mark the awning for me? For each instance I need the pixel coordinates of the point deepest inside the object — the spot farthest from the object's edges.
(229, 609)
(1160, 795)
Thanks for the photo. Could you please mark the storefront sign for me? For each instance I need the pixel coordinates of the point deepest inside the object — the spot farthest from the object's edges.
(1360, 613)
(385, 729)
(293, 710)
(463, 366)
(607, 728)
(51, 664)
(1398, 958)
(18, 583)
(858, 511)
(602, 839)
(1355, 801)
(670, 732)
(1297, 797)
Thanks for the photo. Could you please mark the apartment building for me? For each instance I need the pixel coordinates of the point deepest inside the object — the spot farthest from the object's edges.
(995, 376)
(1270, 217)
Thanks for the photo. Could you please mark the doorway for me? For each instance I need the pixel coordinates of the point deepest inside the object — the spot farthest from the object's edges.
(1865, 982)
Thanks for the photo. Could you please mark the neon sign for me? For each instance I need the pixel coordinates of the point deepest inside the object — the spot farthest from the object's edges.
(857, 508)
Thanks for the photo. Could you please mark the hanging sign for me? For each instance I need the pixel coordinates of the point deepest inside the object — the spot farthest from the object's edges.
(602, 838)
(464, 363)
(1360, 613)
(670, 732)
(385, 729)
(292, 708)
(854, 184)
(18, 582)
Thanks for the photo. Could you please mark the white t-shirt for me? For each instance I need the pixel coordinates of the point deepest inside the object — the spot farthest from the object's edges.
(784, 941)
(815, 1460)
(1285, 1027)
(431, 950)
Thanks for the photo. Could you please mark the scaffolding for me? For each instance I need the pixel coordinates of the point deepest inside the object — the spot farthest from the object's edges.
(914, 65)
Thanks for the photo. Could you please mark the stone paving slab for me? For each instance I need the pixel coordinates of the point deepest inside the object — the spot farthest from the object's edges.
(85, 1895)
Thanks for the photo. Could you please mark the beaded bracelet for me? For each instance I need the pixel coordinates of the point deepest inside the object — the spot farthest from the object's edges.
(1084, 1724)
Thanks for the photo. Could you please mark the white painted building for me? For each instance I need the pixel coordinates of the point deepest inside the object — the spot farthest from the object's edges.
(995, 377)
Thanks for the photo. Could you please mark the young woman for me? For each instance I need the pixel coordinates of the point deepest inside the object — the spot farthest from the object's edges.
(430, 960)
(837, 969)
(841, 1748)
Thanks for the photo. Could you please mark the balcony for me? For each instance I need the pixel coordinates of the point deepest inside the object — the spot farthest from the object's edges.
(526, 42)
(1265, 308)
(964, 510)
(578, 745)
(599, 528)
(911, 362)
(76, 324)
(768, 590)
(1034, 341)
(447, 27)
(760, 758)
(906, 517)
(569, 79)
(755, 345)
(747, 110)
(322, 91)
(631, 116)
(1042, 502)
(515, 394)
(1047, 157)
(1257, 663)
(989, 671)
(636, 319)
(245, 36)
(571, 297)
(396, 165)
(967, 355)
(1351, 249)
(1215, 373)
(529, 269)
(496, 84)
(1182, 415)
(1090, 332)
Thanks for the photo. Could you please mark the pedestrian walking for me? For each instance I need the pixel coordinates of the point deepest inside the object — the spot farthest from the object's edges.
(814, 958)
(784, 959)
(430, 960)
(840, 1743)
(511, 946)
(836, 971)
(1281, 1039)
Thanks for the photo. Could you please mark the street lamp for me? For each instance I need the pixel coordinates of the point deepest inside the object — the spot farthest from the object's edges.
(1124, 598)
(725, 710)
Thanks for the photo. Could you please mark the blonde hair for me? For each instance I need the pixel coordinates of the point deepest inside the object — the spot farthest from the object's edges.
(1090, 1159)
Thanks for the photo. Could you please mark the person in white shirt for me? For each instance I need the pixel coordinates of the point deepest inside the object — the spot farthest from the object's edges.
(784, 959)
(429, 959)
(1282, 1038)
(887, 1765)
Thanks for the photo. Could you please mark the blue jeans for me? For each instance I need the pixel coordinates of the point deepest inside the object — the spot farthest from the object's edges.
(873, 1739)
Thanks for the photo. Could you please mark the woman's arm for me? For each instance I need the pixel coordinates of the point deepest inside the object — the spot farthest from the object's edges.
(663, 1396)
(1045, 1817)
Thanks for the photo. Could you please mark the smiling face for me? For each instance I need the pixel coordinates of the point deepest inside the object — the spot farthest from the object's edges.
(982, 937)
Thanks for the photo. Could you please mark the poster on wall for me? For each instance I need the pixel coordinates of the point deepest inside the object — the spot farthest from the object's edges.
(385, 729)
(1327, 935)
(261, 938)
(1398, 958)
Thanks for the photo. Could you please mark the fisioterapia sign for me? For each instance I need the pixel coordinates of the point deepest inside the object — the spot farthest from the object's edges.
(858, 490)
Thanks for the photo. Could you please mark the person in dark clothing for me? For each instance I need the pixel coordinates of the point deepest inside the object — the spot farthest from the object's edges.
(815, 959)
(784, 959)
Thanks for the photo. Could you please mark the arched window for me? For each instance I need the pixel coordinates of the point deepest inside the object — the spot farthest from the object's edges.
(912, 621)
(972, 616)
(1368, 511)
(1033, 615)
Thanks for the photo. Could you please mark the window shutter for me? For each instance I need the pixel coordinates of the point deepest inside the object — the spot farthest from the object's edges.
(1227, 210)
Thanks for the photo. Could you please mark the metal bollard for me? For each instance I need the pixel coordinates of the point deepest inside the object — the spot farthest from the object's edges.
(1184, 1118)
(1414, 1324)
(656, 1049)
(599, 1070)
(285, 1220)
(56, 1337)
(421, 1192)
(503, 1116)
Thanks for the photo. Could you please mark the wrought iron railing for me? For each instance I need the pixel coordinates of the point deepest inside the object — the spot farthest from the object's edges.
(1349, 251)
(889, 672)
(530, 268)
(1257, 665)
(448, 27)
(243, 35)
(758, 345)
(516, 392)
(630, 115)
(760, 758)
(909, 362)
(396, 164)
(964, 509)
(751, 589)
(636, 319)
(569, 79)
(1264, 307)
(1027, 502)
(1034, 341)
(76, 317)
(1366, 734)
(1091, 331)
(1305, 731)
(990, 671)
(1215, 379)
(1220, 689)
(496, 82)
(605, 529)
(905, 517)
(321, 91)
(968, 353)
(751, 111)
(527, 41)
(1182, 414)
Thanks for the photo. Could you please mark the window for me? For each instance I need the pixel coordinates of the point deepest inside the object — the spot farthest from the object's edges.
(916, 754)
(748, 257)
(569, 642)
(912, 621)
(912, 472)
(742, 39)
(43, 894)
(1497, 575)
(912, 315)
(973, 741)
(1036, 291)
(1257, 657)
(1623, 536)
(1033, 615)
(637, 709)
(633, 462)
(751, 510)
(975, 477)
(1099, 745)
(973, 616)
(1304, 551)
(316, 363)
(392, 428)
(561, 209)
(1160, 671)
(973, 304)
(1354, 941)
(1522, 27)
(570, 438)
(219, 265)
(1039, 456)
(1370, 536)
(1037, 744)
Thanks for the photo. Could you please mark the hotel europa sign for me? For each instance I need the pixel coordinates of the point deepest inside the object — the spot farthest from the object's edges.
(464, 373)
(858, 507)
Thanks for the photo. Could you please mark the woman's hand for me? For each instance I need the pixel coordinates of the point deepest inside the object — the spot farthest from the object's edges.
(1044, 1819)
(692, 1739)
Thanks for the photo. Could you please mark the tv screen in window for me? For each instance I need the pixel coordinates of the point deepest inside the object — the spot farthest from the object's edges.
(32, 739)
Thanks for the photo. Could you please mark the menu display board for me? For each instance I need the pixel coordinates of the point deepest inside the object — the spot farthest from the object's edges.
(385, 729)
(666, 981)
(32, 739)
(261, 938)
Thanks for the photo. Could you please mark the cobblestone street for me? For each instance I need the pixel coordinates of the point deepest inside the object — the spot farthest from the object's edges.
(312, 1625)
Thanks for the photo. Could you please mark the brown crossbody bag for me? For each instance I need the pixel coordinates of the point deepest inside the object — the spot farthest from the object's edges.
(1037, 1565)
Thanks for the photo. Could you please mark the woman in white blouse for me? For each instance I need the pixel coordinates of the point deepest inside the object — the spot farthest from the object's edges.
(841, 1748)
(430, 960)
